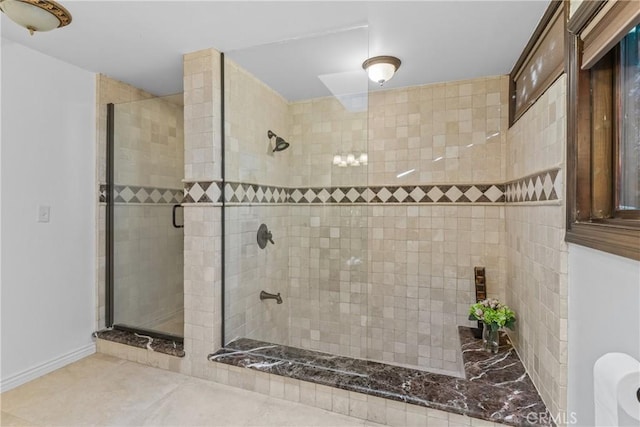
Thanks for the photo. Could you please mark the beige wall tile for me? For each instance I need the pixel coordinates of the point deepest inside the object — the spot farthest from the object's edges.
(412, 283)
(537, 253)
(202, 115)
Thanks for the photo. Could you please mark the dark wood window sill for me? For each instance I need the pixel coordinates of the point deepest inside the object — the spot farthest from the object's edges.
(622, 240)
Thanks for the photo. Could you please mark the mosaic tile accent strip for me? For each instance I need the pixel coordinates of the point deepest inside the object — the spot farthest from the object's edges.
(541, 187)
(102, 193)
(235, 192)
(147, 195)
(203, 192)
(401, 194)
(238, 192)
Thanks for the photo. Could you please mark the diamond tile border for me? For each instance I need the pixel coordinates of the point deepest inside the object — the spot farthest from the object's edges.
(142, 194)
(241, 193)
(540, 187)
(102, 193)
(202, 192)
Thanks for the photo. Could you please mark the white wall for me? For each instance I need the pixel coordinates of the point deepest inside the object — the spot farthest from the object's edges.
(604, 316)
(48, 269)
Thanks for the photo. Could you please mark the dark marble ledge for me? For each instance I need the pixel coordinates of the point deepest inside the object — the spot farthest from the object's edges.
(160, 345)
(496, 388)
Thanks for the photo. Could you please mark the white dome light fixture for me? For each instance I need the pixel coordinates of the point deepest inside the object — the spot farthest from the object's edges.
(381, 68)
(36, 15)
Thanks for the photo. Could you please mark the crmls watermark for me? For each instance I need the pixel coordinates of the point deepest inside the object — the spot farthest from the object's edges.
(561, 418)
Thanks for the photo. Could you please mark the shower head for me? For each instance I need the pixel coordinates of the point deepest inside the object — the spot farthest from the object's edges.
(281, 144)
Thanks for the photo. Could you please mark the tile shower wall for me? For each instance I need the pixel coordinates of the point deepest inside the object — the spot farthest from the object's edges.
(202, 284)
(149, 138)
(421, 281)
(202, 115)
(251, 110)
(449, 133)
(320, 129)
(328, 249)
(328, 272)
(251, 270)
(148, 264)
(537, 267)
(408, 281)
(202, 226)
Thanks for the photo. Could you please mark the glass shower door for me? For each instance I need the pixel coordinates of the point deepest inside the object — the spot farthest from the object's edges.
(310, 194)
(146, 220)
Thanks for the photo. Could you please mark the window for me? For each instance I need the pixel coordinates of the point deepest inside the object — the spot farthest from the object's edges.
(615, 133)
(603, 156)
(629, 157)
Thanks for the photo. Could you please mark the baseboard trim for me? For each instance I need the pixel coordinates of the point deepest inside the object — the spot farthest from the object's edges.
(44, 368)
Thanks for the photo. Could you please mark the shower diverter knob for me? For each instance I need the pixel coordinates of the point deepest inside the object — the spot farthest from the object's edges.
(264, 236)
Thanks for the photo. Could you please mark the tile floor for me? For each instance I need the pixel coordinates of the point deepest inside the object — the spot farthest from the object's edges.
(102, 390)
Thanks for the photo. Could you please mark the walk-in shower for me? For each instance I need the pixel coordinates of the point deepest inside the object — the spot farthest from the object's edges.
(380, 207)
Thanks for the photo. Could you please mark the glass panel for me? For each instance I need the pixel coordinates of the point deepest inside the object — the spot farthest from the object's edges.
(318, 260)
(630, 123)
(148, 248)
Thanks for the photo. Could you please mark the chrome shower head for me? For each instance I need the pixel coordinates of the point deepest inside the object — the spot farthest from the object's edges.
(281, 144)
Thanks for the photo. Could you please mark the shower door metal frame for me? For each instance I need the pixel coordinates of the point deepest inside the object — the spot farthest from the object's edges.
(109, 240)
(223, 180)
(109, 217)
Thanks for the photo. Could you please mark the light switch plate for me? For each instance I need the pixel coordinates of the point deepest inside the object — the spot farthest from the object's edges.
(44, 213)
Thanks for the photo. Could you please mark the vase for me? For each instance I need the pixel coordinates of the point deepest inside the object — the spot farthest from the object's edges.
(490, 339)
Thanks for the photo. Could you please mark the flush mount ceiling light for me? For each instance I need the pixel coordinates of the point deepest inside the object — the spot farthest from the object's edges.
(36, 15)
(381, 68)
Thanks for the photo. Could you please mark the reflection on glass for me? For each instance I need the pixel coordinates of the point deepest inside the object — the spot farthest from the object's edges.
(319, 262)
(148, 238)
(630, 123)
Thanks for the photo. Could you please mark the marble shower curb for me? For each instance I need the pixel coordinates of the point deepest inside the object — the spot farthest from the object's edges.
(496, 388)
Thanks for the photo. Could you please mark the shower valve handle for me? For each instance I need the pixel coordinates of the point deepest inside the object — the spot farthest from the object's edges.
(264, 236)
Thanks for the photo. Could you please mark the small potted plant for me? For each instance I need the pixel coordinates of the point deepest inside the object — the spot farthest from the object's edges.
(494, 315)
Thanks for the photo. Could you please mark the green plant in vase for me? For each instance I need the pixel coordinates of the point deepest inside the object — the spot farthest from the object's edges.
(494, 315)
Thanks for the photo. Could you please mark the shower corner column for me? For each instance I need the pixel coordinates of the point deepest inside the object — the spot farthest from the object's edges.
(202, 212)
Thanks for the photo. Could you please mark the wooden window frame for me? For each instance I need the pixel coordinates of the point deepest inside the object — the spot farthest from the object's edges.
(607, 229)
(544, 53)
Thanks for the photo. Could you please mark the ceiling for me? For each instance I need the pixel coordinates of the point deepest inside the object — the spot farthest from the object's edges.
(302, 49)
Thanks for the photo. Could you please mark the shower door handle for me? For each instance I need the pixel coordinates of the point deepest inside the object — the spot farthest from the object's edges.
(173, 217)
